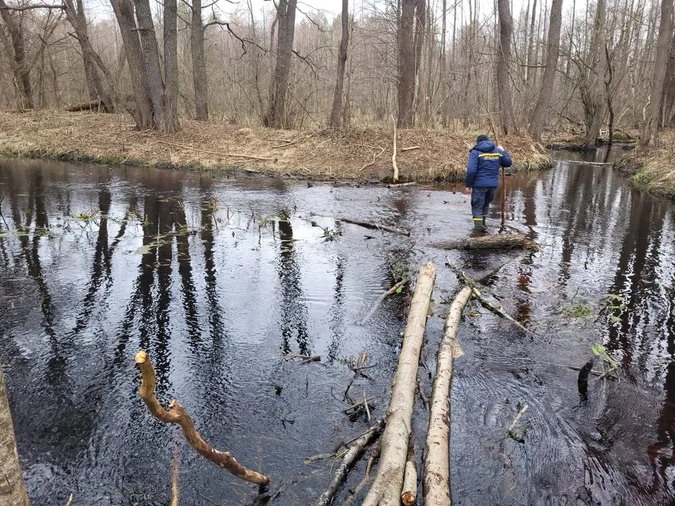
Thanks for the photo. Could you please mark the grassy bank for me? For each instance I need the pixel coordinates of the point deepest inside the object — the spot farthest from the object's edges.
(652, 169)
(361, 154)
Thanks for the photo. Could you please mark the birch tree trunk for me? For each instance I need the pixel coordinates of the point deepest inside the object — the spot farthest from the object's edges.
(437, 454)
(547, 83)
(335, 114)
(651, 127)
(12, 491)
(386, 489)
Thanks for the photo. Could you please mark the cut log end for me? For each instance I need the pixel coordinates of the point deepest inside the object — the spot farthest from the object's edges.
(141, 357)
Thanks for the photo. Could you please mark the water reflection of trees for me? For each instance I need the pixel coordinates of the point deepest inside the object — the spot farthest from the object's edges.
(293, 308)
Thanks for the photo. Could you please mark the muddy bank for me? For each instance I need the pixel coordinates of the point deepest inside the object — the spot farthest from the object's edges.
(359, 154)
(652, 169)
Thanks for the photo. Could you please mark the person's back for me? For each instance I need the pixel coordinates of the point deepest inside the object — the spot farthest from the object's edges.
(482, 176)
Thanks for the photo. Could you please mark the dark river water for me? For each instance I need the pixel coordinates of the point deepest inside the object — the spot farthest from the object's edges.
(218, 278)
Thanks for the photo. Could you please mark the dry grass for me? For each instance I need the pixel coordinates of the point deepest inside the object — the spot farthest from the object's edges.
(360, 153)
(652, 169)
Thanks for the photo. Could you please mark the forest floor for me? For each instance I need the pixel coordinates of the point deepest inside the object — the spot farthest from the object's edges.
(652, 169)
(358, 154)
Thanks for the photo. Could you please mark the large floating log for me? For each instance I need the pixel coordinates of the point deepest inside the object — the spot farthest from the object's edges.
(388, 484)
(437, 455)
(376, 226)
(178, 415)
(498, 241)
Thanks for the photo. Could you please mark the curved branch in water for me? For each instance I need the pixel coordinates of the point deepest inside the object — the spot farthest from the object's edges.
(178, 415)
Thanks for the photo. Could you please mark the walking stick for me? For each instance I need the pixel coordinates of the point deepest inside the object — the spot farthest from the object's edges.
(494, 134)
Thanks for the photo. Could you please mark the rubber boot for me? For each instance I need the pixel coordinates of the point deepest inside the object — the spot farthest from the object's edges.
(484, 222)
(478, 225)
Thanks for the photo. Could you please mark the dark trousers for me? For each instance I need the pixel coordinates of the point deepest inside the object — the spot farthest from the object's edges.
(480, 201)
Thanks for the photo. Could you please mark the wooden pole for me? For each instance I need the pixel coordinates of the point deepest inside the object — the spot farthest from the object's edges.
(178, 415)
(388, 484)
(494, 134)
(437, 455)
(12, 488)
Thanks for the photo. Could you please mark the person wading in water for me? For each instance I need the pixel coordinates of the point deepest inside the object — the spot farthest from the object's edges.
(482, 177)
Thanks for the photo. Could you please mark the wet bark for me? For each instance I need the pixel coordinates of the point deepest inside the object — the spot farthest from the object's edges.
(276, 117)
(199, 77)
(336, 110)
(178, 415)
(20, 66)
(652, 124)
(437, 454)
(552, 53)
(13, 491)
(406, 65)
(503, 241)
(508, 120)
(388, 484)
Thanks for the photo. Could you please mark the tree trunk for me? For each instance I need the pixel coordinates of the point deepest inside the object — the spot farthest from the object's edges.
(552, 53)
(418, 43)
(508, 120)
(651, 126)
(124, 12)
(406, 65)
(336, 110)
(437, 455)
(592, 87)
(153, 71)
(498, 241)
(445, 85)
(21, 67)
(78, 20)
(170, 66)
(276, 116)
(529, 70)
(388, 484)
(13, 491)
(670, 94)
(199, 76)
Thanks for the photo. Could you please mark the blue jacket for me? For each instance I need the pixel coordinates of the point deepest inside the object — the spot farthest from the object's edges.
(485, 160)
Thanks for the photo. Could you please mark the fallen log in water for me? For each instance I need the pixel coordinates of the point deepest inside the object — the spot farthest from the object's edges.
(388, 484)
(376, 226)
(350, 457)
(497, 241)
(437, 455)
(178, 415)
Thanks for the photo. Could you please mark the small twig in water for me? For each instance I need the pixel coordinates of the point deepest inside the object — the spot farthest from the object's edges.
(517, 436)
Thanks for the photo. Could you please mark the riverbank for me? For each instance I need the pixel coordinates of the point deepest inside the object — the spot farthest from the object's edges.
(652, 169)
(358, 154)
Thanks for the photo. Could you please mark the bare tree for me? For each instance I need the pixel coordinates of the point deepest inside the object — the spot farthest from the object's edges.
(592, 86)
(124, 12)
(552, 53)
(406, 64)
(276, 117)
(508, 120)
(199, 75)
(170, 101)
(19, 63)
(659, 77)
(336, 110)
